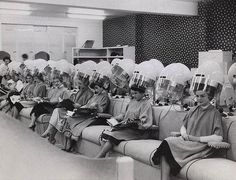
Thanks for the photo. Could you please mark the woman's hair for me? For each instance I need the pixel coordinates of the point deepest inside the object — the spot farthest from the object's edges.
(29, 75)
(82, 78)
(210, 92)
(5, 76)
(64, 74)
(6, 57)
(25, 56)
(140, 89)
(39, 76)
(58, 77)
(85, 81)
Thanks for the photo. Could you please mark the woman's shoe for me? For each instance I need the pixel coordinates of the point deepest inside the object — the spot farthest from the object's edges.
(32, 127)
(45, 134)
(52, 140)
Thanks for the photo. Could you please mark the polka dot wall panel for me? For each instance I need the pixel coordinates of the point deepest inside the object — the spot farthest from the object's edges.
(220, 17)
(170, 39)
(176, 38)
(119, 31)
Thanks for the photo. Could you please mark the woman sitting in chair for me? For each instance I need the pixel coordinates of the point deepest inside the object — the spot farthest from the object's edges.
(40, 89)
(134, 124)
(15, 87)
(98, 102)
(27, 93)
(46, 105)
(35, 88)
(57, 120)
(201, 125)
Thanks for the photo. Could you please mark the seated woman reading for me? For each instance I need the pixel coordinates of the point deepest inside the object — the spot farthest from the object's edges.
(46, 105)
(40, 89)
(99, 102)
(15, 88)
(35, 88)
(134, 124)
(57, 120)
(26, 93)
(75, 125)
(201, 125)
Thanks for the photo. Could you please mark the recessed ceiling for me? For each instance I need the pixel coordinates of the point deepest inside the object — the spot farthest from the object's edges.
(111, 8)
(50, 10)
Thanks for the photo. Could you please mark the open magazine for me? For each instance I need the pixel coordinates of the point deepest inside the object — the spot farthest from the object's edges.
(82, 111)
(113, 122)
(15, 98)
(123, 124)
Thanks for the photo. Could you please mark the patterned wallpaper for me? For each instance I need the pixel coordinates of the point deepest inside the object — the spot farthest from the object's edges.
(176, 38)
(220, 17)
(170, 39)
(119, 31)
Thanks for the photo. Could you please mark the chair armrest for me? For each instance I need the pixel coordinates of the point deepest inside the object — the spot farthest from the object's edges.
(219, 145)
(175, 134)
(104, 115)
(154, 127)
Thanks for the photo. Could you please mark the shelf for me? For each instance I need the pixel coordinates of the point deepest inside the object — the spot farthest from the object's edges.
(87, 57)
(106, 53)
(117, 47)
(91, 48)
(115, 57)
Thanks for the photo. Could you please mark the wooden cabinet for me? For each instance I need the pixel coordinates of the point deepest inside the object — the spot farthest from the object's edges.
(80, 55)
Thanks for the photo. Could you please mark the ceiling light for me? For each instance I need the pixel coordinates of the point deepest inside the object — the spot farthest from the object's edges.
(18, 6)
(87, 11)
(81, 16)
(14, 12)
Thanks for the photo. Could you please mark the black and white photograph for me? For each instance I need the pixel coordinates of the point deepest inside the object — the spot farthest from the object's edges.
(117, 90)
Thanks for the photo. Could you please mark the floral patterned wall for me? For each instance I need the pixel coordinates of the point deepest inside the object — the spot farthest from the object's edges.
(176, 38)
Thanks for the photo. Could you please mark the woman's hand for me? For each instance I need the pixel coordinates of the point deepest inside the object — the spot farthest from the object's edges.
(77, 105)
(183, 133)
(84, 106)
(193, 138)
(37, 99)
(119, 118)
(45, 99)
(94, 106)
(22, 97)
(185, 136)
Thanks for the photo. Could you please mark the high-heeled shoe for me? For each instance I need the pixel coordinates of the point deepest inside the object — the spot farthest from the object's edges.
(45, 134)
(52, 140)
(32, 127)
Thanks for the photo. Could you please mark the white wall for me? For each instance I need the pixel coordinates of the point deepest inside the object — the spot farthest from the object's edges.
(0, 35)
(87, 29)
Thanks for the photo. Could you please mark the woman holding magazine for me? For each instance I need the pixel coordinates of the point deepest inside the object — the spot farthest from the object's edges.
(134, 124)
(26, 93)
(58, 118)
(35, 89)
(46, 105)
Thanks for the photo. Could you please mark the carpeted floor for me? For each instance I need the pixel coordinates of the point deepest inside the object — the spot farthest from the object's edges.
(24, 155)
